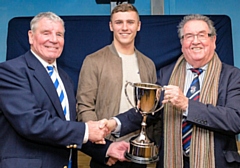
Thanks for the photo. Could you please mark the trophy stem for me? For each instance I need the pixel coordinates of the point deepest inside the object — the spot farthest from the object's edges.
(142, 138)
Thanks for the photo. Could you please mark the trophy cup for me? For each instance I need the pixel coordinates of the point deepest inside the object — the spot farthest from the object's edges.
(146, 97)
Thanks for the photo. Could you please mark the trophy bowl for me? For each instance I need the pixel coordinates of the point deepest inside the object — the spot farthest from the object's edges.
(146, 98)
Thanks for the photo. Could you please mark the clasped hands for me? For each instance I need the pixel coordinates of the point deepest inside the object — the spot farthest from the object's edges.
(98, 130)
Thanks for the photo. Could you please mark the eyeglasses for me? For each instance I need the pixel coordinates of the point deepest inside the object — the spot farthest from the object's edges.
(200, 36)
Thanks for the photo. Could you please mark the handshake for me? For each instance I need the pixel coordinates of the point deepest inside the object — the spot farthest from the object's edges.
(98, 130)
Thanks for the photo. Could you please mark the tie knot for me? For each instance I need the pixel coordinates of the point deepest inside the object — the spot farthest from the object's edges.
(50, 70)
(197, 71)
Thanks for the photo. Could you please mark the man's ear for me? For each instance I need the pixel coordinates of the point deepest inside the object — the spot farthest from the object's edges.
(110, 26)
(30, 36)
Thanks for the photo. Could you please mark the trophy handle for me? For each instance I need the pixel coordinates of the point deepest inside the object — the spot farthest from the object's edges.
(127, 94)
(158, 97)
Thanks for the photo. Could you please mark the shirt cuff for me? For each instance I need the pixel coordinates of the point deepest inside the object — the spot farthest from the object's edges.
(117, 130)
(185, 113)
(85, 139)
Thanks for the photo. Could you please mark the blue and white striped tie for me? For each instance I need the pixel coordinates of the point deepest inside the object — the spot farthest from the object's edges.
(61, 96)
(59, 90)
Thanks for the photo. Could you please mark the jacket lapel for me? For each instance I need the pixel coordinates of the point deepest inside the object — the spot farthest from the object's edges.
(41, 75)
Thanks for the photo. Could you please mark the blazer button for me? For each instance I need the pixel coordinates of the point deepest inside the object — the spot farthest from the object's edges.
(75, 146)
(68, 146)
(65, 167)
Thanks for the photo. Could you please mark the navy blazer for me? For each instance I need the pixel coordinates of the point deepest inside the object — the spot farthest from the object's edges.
(34, 132)
(224, 119)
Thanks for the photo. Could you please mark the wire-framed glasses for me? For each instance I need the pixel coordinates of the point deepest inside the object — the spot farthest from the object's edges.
(200, 36)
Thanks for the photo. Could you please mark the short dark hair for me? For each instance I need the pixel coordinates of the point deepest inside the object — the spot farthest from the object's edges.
(124, 8)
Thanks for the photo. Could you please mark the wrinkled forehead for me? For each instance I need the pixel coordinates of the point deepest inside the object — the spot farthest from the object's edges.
(49, 24)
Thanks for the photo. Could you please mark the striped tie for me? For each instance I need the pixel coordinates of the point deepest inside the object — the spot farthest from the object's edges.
(193, 93)
(53, 76)
(61, 96)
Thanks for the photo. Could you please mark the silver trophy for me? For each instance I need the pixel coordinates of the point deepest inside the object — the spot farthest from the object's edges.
(146, 98)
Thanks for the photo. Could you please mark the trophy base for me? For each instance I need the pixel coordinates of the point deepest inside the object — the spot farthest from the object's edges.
(142, 152)
(141, 160)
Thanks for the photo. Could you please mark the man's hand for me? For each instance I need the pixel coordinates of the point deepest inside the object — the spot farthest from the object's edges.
(174, 95)
(111, 161)
(116, 152)
(111, 125)
(98, 130)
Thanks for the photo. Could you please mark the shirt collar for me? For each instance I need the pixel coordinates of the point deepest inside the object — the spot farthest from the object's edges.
(44, 63)
(188, 67)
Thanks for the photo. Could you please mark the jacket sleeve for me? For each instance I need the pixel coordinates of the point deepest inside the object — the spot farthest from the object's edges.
(97, 151)
(87, 91)
(130, 121)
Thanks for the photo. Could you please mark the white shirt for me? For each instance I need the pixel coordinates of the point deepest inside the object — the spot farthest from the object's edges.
(130, 73)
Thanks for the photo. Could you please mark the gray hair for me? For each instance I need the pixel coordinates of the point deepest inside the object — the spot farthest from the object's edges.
(196, 17)
(49, 15)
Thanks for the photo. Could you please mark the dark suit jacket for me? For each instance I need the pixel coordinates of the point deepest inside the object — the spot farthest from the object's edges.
(33, 129)
(224, 119)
